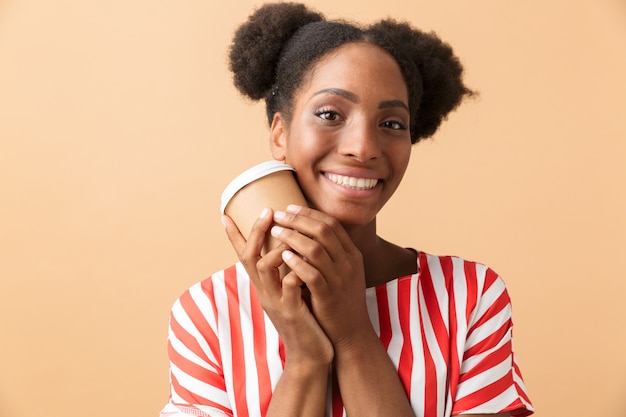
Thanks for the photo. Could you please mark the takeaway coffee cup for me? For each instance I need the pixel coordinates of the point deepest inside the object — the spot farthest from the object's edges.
(269, 184)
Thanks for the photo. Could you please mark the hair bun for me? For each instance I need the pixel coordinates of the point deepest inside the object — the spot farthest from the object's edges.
(440, 71)
(258, 42)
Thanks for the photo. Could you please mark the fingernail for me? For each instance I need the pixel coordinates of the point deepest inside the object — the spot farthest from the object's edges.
(264, 213)
(276, 230)
(279, 215)
(292, 208)
(287, 255)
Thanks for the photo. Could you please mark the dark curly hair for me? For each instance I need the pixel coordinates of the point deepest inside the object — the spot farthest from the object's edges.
(273, 51)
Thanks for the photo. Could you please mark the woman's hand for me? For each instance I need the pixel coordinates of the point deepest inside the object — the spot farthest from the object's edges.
(324, 257)
(306, 345)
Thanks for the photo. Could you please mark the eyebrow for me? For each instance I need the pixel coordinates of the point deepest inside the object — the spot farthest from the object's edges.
(355, 99)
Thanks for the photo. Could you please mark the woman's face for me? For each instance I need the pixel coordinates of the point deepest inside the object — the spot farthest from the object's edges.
(349, 137)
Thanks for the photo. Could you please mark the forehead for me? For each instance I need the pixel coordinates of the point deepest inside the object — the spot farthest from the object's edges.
(358, 66)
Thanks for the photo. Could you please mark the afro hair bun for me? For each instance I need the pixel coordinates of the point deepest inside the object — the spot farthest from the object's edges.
(258, 42)
(440, 71)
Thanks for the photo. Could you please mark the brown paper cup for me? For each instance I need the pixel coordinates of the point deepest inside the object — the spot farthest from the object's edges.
(270, 184)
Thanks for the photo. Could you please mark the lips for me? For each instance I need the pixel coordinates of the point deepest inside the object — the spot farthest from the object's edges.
(353, 183)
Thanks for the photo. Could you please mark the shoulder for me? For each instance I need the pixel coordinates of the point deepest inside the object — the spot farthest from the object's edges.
(455, 268)
(220, 285)
(473, 282)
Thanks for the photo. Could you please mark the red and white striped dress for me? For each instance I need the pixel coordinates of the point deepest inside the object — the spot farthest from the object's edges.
(447, 329)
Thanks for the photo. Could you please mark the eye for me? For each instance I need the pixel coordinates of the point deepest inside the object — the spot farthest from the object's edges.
(394, 125)
(326, 114)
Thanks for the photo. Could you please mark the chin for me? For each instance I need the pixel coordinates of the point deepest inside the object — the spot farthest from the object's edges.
(352, 219)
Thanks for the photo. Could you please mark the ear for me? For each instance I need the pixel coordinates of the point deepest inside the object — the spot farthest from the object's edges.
(278, 137)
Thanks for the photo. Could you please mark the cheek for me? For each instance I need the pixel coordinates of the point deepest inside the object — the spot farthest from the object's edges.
(305, 149)
(402, 156)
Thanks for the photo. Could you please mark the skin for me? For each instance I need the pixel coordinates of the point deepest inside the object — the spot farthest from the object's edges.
(346, 122)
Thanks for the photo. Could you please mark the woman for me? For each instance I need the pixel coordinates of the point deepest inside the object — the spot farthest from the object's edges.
(359, 326)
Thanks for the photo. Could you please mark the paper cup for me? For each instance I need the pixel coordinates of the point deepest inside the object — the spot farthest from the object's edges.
(270, 184)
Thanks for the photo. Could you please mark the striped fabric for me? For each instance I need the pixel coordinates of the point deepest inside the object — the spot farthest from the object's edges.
(447, 330)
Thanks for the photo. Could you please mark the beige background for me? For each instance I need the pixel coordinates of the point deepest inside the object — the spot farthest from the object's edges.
(119, 128)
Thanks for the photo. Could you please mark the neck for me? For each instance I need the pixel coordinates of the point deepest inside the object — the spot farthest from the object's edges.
(364, 237)
(382, 260)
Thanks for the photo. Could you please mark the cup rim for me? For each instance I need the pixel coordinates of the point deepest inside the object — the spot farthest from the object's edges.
(251, 174)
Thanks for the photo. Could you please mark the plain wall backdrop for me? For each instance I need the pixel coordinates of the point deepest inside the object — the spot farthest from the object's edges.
(119, 128)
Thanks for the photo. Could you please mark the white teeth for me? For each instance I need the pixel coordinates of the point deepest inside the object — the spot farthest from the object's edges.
(352, 182)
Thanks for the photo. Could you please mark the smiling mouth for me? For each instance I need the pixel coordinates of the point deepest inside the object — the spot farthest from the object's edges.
(352, 182)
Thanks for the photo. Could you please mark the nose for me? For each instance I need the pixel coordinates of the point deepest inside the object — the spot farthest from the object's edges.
(361, 142)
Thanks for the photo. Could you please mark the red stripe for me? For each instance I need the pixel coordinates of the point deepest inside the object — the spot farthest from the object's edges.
(194, 370)
(281, 352)
(239, 370)
(405, 364)
(490, 341)
(191, 398)
(498, 305)
(492, 360)
(260, 351)
(472, 288)
(207, 288)
(490, 278)
(517, 408)
(433, 306)
(517, 372)
(201, 325)
(484, 394)
(452, 356)
(430, 372)
(337, 402)
(384, 321)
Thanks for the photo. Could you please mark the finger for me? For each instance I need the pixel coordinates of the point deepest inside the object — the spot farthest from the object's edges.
(292, 291)
(343, 236)
(234, 235)
(258, 234)
(268, 273)
(319, 227)
(315, 250)
(305, 272)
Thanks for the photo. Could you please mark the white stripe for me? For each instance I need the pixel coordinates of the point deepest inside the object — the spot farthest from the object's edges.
(204, 303)
(205, 306)
(418, 377)
(433, 346)
(372, 309)
(486, 329)
(247, 337)
(517, 379)
(488, 376)
(174, 395)
(198, 387)
(397, 339)
(221, 302)
(189, 354)
(172, 410)
(460, 296)
(473, 361)
(439, 284)
(495, 405)
(481, 271)
(182, 318)
(492, 294)
(459, 287)
(213, 412)
(274, 363)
